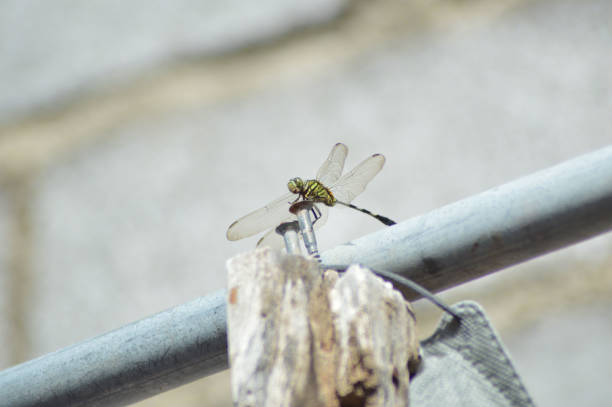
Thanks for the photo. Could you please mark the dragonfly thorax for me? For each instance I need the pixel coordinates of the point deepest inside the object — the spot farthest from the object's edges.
(311, 190)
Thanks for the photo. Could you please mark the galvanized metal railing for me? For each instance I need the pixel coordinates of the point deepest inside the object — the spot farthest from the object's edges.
(503, 226)
(506, 225)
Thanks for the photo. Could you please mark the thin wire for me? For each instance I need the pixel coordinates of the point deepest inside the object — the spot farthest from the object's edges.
(405, 282)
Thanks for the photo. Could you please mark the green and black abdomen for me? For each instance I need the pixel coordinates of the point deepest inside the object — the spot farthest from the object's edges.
(313, 190)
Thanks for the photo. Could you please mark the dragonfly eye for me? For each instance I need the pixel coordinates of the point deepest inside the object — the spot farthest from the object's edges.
(295, 185)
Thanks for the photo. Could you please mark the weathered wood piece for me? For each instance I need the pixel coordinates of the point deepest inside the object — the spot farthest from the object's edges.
(301, 337)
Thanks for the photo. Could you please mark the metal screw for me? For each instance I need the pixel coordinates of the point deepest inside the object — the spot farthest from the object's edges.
(289, 232)
(302, 210)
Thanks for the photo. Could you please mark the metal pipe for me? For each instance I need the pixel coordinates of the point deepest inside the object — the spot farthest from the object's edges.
(503, 226)
(451, 245)
(129, 364)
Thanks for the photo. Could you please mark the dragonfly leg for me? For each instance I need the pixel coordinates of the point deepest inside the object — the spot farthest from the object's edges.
(316, 213)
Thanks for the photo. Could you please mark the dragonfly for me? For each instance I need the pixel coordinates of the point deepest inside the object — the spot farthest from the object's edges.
(328, 189)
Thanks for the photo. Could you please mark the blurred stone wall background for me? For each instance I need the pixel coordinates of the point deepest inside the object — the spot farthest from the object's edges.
(133, 133)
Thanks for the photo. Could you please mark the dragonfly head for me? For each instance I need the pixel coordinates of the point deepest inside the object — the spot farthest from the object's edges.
(295, 185)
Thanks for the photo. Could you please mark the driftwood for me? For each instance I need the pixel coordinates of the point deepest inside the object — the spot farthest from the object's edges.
(302, 337)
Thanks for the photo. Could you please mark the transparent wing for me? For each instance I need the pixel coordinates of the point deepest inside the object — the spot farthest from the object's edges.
(277, 211)
(264, 218)
(354, 182)
(275, 241)
(331, 169)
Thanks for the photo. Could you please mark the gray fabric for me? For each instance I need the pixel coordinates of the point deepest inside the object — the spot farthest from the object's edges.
(465, 364)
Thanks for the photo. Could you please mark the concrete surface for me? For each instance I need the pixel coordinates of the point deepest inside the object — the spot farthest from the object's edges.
(55, 51)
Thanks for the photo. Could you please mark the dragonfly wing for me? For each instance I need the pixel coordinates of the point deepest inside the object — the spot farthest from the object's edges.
(264, 218)
(271, 239)
(275, 241)
(331, 169)
(353, 183)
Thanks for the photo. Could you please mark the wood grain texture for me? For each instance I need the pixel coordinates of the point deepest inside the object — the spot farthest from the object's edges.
(301, 336)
